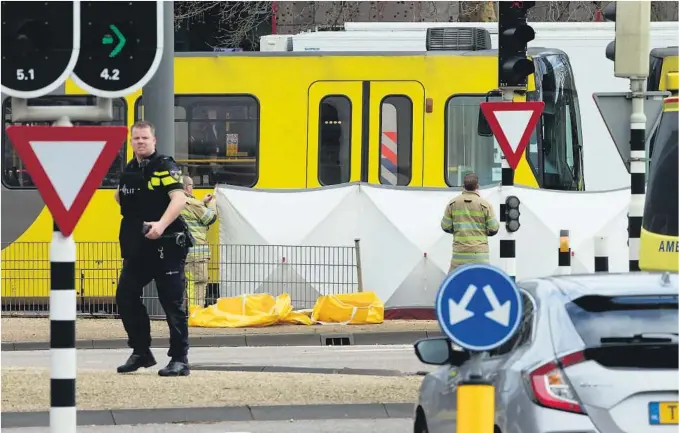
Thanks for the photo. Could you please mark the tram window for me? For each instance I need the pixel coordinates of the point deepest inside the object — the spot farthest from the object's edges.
(14, 174)
(466, 150)
(559, 162)
(560, 132)
(334, 140)
(396, 140)
(216, 138)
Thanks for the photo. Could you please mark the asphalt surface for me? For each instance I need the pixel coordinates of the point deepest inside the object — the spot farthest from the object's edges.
(396, 358)
(314, 426)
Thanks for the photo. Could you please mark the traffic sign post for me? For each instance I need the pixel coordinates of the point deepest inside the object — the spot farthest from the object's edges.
(121, 46)
(512, 124)
(121, 50)
(40, 46)
(66, 189)
(632, 33)
(479, 308)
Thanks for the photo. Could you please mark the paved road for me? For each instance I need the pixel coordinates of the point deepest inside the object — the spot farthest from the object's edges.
(401, 357)
(317, 426)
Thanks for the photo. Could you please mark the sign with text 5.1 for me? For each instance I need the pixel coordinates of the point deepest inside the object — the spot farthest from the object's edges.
(39, 46)
(478, 307)
(121, 45)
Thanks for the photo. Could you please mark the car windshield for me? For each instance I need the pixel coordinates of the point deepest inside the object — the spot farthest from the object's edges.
(619, 319)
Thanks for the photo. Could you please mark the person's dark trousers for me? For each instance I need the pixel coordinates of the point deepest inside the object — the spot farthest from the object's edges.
(164, 263)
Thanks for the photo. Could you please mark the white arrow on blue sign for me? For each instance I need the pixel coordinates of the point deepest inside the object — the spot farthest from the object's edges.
(479, 307)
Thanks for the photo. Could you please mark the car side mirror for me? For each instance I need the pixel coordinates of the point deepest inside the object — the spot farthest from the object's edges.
(439, 351)
(483, 128)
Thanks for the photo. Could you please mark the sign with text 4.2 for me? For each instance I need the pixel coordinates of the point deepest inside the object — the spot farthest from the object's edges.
(479, 307)
(67, 164)
(512, 124)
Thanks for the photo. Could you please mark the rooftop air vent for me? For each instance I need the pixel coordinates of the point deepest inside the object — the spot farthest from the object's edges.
(457, 39)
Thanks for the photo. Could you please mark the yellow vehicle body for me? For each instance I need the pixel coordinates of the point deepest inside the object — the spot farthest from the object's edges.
(659, 240)
(288, 89)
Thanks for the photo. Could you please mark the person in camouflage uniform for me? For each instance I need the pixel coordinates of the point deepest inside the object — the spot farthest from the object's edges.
(199, 216)
(470, 219)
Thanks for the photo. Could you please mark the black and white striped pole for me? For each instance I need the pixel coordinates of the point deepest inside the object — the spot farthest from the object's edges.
(510, 225)
(600, 254)
(62, 333)
(637, 171)
(63, 301)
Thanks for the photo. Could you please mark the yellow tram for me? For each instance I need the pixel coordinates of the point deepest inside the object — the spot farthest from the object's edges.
(302, 120)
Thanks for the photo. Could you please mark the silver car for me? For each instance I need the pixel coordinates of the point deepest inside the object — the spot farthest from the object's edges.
(594, 353)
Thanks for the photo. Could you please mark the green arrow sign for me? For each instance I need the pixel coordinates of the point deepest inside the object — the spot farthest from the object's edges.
(108, 40)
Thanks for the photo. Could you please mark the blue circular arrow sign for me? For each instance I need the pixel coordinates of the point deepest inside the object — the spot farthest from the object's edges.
(479, 307)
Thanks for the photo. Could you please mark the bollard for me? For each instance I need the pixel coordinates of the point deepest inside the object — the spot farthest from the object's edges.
(475, 406)
(600, 254)
(564, 253)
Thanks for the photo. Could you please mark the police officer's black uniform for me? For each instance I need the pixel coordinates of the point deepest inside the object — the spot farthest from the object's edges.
(144, 193)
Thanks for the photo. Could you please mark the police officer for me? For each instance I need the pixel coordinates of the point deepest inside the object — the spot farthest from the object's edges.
(154, 242)
(470, 219)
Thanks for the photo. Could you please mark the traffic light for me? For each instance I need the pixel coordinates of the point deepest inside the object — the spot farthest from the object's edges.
(120, 46)
(513, 37)
(39, 46)
(632, 31)
(512, 213)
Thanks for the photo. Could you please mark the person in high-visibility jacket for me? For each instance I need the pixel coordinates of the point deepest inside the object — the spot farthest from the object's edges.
(470, 219)
(199, 216)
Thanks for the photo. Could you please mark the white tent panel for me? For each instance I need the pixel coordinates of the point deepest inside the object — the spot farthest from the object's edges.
(404, 253)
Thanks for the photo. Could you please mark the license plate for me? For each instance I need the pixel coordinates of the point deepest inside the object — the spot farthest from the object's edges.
(663, 412)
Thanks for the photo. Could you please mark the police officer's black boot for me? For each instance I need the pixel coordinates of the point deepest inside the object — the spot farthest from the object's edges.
(137, 361)
(176, 367)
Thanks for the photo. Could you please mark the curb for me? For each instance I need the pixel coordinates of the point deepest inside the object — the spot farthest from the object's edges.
(311, 370)
(217, 414)
(253, 340)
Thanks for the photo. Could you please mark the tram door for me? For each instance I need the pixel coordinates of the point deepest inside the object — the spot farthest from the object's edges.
(396, 133)
(334, 133)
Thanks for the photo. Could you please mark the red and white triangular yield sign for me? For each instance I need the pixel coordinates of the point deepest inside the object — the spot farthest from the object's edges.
(512, 124)
(67, 164)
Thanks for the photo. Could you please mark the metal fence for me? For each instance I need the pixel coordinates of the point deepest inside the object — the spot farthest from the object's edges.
(304, 272)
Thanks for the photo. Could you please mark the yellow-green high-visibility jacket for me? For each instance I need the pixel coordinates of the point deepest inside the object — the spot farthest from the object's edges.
(199, 217)
(470, 219)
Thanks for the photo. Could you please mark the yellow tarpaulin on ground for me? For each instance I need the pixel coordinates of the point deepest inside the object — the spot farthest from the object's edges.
(265, 310)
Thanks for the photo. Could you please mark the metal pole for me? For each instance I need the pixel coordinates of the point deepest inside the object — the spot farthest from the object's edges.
(62, 328)
(158, 94)
(359, 268)
(637, 170)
